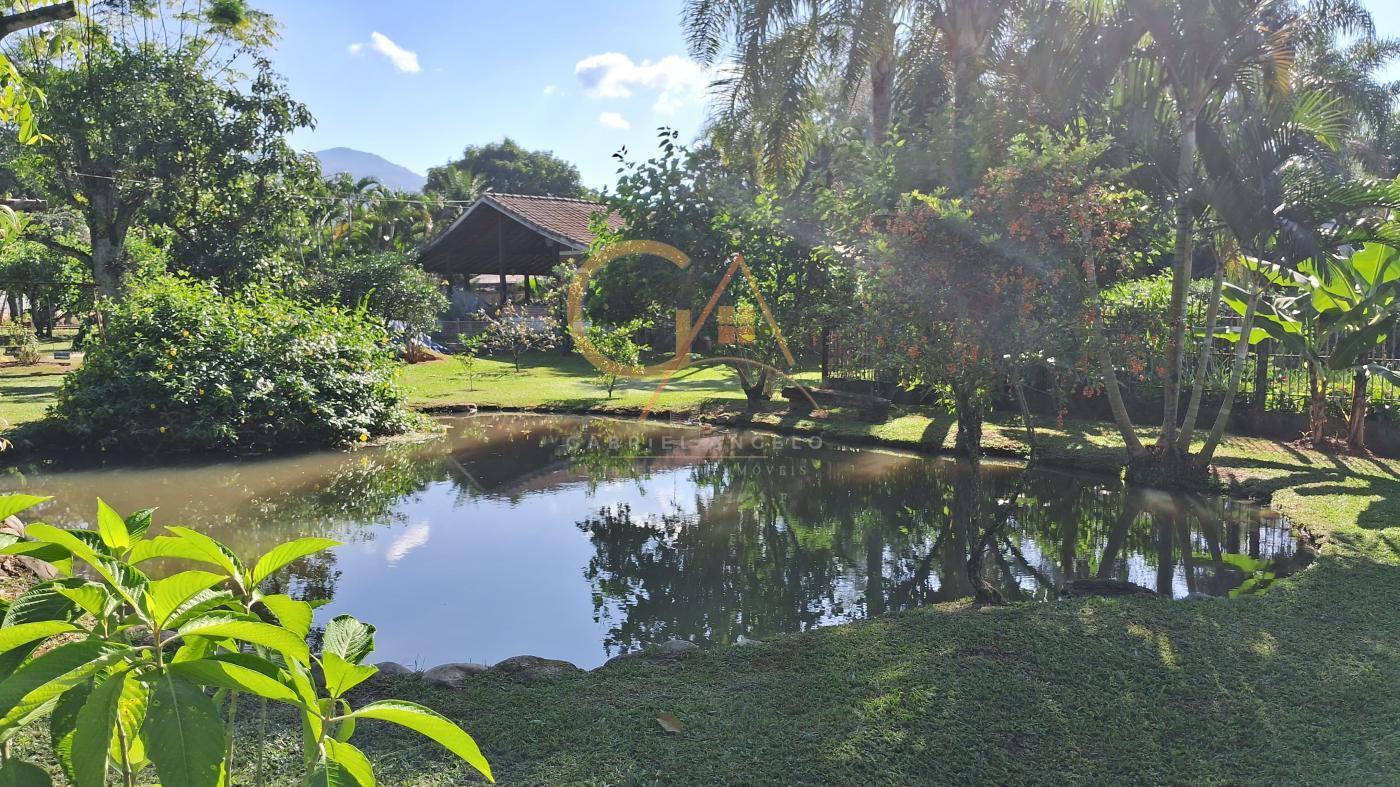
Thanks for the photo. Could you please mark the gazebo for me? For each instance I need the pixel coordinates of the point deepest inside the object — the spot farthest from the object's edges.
(505, 235)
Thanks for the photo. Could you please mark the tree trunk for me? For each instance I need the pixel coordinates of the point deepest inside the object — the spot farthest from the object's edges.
(1222, 418)
(970, 415)
(881, 94)
(1259, 404)
(757, 390)
(1181, 279)
(1110, 377)
(1198, 386)
(1317, 407)
(107, 241)
(1360, 404)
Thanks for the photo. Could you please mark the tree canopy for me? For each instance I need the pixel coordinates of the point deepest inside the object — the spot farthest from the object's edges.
(508, 168)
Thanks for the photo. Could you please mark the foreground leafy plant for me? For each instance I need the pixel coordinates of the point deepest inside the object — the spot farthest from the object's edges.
(134, 672)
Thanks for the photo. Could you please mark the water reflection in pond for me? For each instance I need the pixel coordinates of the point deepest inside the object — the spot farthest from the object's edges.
(583, 538)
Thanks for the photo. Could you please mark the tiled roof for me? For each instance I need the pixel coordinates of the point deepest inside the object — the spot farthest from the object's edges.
(561, 216)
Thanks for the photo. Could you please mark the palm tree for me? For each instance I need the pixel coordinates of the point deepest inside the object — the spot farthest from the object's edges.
(462, 188)
(1341, 55)
(1196, 51)
(786, 54)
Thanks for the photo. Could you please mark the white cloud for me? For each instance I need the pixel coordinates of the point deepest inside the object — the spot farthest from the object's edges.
(677, 80)
(403, 60)
(412, 538)
(614, 120)
(551, 90)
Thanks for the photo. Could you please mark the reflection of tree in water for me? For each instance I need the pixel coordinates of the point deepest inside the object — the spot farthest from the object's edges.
(791, 541)
(312, 579)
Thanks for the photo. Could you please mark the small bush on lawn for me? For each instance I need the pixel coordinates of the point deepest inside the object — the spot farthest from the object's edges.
(180, 366)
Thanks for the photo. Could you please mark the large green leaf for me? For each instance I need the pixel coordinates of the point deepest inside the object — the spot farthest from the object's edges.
(1384, 372)
(63, 724)
(1376, 264)
(131, 713)
(342, 676)
(111, 526)
(292, 614)
(96, 723)
(169, 547)
(166, 596)
(36, 686)
(431, 724)
(349, 639)
(83, 551)
(13, 504)
(331, 773)
(44, 602)
(26, 633)
(212, 552)
(233, 671)
(199, 605)
(286, 553)
(352, 761)
(264, 634)
(186, 735)
(139, 523)
(18, 773)
(1232, 335)
(1352, 348)
(90, 597)
(1276, 274)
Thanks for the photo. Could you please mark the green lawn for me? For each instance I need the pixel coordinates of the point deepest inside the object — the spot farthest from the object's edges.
(25, 392)
(564, 382)
(1299, 684)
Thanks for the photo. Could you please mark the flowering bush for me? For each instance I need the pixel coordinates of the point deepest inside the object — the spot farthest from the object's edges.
(180, 366)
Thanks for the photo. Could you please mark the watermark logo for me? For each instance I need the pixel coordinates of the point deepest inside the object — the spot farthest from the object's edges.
(736, 327)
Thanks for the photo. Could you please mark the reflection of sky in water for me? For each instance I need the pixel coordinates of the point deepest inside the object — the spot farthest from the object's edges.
(490, 578)
(490, 544)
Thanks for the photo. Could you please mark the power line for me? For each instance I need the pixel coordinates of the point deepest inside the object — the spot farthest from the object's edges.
(354, 200)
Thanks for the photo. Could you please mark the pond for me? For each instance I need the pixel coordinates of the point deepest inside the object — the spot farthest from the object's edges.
(580, 539)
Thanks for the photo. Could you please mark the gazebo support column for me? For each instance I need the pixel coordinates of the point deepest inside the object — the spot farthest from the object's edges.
(501, 258)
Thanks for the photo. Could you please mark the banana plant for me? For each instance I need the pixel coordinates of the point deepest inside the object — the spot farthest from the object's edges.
(1332, 312)
(134, 672)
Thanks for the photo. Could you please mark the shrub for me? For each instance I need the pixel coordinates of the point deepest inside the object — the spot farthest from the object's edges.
(179, 366)
(514, 332)
(398, 291)
(468, 357)
(26, 344)
(136, 673)
(616, 345)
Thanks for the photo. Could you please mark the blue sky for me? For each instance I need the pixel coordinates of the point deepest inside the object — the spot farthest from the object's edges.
(417, 80)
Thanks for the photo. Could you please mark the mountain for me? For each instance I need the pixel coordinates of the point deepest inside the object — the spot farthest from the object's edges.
(360, 164)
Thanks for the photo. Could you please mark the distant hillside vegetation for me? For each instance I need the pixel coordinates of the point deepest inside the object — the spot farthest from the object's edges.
(360, 164)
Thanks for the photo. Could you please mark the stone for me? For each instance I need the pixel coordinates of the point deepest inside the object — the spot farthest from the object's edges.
(533, 668)
(452, 676)
(635, 655)
(744, 641)
(1199, 596)
(393, 669)
(676, 649)
(23, 566)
